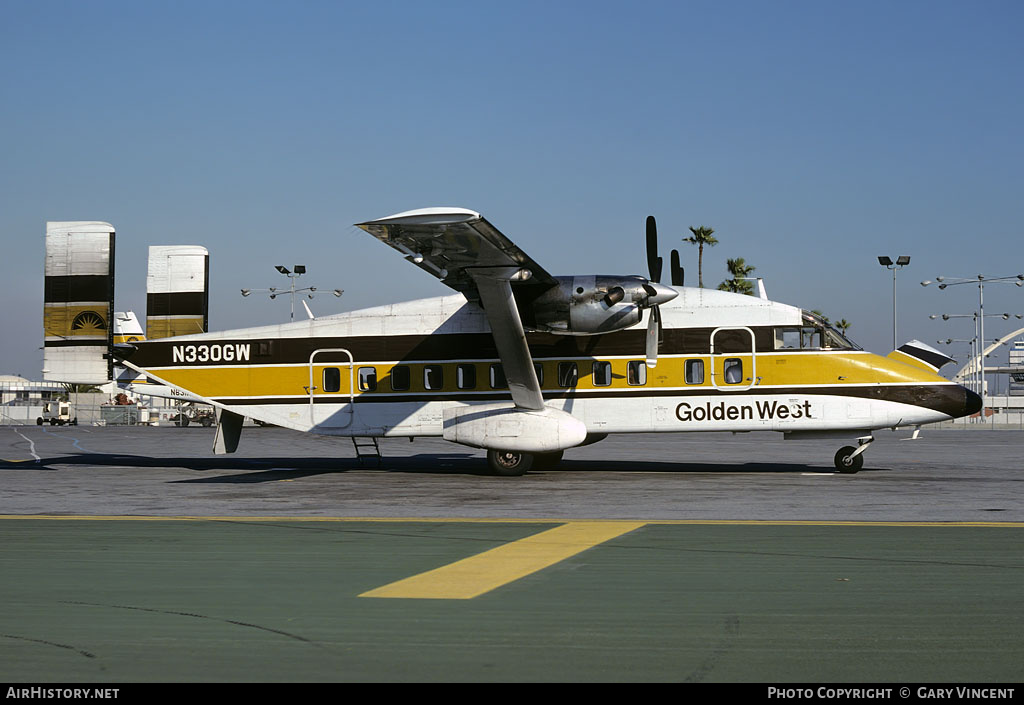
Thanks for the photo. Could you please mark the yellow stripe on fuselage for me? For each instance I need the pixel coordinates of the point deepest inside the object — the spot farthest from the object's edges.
(775, 369)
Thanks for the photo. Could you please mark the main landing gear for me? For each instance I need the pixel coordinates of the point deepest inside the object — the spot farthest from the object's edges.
(849, 459)
(510, 463)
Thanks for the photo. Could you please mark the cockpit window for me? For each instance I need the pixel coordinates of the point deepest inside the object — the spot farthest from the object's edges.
(814, 334)
(787, 338)
(810, 338)
(835, 339)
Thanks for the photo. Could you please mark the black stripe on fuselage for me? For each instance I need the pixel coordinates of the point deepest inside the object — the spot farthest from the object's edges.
(447, 347)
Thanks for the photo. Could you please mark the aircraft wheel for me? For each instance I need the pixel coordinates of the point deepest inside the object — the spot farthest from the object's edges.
(509, 463)
(847, 462)
(546, 461)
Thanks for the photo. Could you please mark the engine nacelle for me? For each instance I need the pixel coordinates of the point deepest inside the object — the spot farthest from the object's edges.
(588, 305)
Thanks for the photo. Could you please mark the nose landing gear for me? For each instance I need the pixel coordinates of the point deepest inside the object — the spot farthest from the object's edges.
(849, 459)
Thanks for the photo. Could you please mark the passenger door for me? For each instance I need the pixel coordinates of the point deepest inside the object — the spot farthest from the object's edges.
(331, 388)
(733, 359)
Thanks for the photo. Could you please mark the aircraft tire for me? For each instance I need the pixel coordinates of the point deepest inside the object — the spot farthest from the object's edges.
(509, 463)
(546, 461)
(846, 462)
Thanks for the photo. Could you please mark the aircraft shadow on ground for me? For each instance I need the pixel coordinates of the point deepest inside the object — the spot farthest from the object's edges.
(255, 470)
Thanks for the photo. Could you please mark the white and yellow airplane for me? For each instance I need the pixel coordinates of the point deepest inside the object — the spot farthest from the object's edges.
(526, 365)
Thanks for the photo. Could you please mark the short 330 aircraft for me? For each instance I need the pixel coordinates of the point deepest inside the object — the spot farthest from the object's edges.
(526, 365)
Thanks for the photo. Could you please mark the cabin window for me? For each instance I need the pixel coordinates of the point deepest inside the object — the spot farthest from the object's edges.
(568, 374)
(433, 377)
(401, 378)
(465, 376)
(367, 379)
(733, 369)
(636, 373)
(602, 374)
(332, 379)
(694, 372)
(539, 369)
(498, 380)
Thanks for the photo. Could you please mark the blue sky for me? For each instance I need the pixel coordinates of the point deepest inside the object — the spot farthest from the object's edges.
(812, 136)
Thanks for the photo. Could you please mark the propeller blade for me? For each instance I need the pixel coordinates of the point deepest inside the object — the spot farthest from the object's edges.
(653, 261)
(653, 333)
(677, 270)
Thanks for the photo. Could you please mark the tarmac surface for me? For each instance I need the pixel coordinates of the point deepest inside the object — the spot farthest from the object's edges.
(135, 554)
(943, 476)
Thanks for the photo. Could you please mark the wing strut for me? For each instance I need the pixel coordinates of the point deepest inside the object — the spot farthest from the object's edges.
(494, 285)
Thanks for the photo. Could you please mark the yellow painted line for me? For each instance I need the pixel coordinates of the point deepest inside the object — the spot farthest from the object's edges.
(474, 576)
(499, 520)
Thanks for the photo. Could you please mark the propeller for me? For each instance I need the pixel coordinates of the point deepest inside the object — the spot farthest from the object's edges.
(653, 260)
(656, 293)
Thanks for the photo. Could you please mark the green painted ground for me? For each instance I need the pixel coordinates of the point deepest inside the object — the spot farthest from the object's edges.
(133, 601)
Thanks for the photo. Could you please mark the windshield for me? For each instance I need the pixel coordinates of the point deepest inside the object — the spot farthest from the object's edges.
(815, 334)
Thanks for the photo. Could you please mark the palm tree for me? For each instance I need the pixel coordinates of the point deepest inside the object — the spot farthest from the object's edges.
(842, 324)
(701, 236)
(70, 388)
(740, 271)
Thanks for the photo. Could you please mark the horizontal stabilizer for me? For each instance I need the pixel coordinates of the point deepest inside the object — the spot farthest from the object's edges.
(920, 355)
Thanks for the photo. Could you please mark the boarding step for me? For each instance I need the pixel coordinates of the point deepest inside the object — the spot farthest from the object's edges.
(367, 449)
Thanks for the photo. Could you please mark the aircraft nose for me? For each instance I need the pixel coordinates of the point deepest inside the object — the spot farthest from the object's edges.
(972, 402)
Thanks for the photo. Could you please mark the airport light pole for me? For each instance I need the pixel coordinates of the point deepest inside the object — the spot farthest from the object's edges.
(980, 280)
(901, 261)
(974, 368)
(300, 269)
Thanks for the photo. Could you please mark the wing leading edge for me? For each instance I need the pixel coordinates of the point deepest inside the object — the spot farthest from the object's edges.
(446, 241)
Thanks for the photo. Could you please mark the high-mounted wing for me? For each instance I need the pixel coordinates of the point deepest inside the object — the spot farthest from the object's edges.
(468, 254)
(447, 241)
